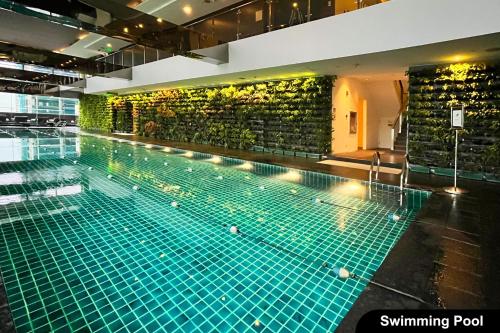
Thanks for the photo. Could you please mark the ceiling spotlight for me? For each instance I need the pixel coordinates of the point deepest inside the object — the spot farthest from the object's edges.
(125, 30)
(108, 45)
(187, 9)
(159, 20)
(141, 25)
(295, 5)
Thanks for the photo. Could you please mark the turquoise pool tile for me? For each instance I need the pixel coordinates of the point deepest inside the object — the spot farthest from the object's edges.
(84, 250)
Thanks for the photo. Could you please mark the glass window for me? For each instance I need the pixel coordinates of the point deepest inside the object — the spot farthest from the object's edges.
(48, 105)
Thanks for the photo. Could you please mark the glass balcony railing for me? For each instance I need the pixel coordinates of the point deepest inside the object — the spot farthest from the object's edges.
(248, 19)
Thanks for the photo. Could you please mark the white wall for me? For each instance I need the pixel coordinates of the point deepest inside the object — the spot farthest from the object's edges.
(382, 106)
(393, 25)
(347, 94)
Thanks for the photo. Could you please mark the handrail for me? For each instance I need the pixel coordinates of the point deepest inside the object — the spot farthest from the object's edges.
(376, 157)
(403, 178)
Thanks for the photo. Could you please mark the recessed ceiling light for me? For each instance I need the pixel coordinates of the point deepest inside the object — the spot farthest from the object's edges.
(108, 45)
(159, 20)
(125, 29)
(141, 25)
(187, 9)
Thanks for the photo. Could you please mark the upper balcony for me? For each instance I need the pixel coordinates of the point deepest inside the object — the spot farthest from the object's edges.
(243, 20)
(384, 39)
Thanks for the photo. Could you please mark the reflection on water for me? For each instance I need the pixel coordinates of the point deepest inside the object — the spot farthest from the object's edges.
(50, 192)
(36, 146)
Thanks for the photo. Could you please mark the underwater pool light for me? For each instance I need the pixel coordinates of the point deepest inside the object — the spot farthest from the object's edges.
(110, 176)
(290, 176)
(189, 169)
(245, 166)
(129, 154)
(145, 159)
(215, 159)
(174, 204)
(136, 188)
(234, 229)
(220, 177)
(74, 162)
(91, 168)
(262, 187)
(165, 163)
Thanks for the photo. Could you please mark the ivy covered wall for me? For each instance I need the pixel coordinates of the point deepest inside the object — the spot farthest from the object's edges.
(290, 115)
(433, 91)
(94, 113)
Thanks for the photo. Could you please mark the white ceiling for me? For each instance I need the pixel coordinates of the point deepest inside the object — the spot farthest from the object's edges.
(173, 10)
(92, 45)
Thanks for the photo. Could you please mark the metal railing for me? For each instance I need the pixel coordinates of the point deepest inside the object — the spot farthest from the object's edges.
(375, 158)
(248, 19)
(405, 170)
(396, 128)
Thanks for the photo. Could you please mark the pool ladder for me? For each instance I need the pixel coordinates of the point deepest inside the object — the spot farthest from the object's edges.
(375, 159)
(403, 176)
(405, 170)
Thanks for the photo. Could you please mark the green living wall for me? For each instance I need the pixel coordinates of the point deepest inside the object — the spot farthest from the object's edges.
(290, 115)
(434, 90)
(94, 113)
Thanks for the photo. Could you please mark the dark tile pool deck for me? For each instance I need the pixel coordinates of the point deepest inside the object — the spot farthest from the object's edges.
(448, 257)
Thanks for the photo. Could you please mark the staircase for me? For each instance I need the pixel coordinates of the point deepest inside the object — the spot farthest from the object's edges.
(400, 142)
(399, 126)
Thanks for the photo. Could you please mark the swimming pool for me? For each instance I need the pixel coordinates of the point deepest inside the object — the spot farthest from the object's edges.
(100, 235)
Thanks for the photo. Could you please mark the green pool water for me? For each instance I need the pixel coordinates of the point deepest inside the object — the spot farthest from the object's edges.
(98, 235)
